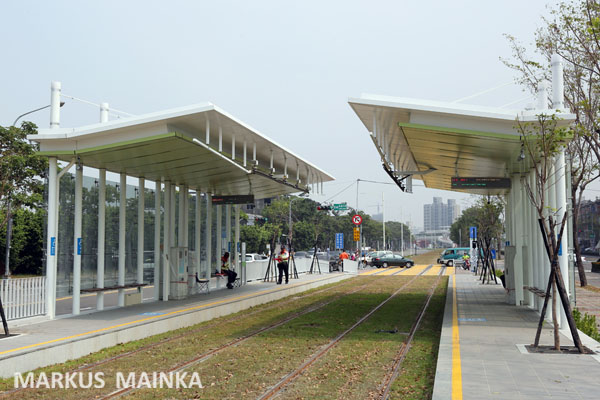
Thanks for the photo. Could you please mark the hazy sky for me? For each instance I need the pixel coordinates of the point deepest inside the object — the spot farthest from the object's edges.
(286, 68)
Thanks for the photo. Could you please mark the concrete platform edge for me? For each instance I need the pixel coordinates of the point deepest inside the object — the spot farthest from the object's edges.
(79, 347)
(442, 386)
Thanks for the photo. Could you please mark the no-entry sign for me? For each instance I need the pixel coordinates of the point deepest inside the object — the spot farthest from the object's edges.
(356, 219)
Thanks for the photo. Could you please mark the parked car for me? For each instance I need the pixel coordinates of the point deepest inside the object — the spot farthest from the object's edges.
(302, 254)
(368, 258)
(389, 260)
(251, 257)
(453, 256)
(590, 250)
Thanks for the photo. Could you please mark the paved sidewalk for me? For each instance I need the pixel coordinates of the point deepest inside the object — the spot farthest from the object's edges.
(588, 301)
(489, 360)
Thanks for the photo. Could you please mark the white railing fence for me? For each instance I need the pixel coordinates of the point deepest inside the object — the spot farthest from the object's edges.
(23, 297)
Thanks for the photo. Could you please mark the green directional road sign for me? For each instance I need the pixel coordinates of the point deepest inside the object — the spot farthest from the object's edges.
(340, 207)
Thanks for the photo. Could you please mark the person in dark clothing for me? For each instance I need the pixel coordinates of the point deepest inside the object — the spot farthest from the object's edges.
(226, 269)
(282, 265)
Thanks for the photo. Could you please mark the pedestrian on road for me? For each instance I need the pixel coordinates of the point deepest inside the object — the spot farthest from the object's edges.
(282, 265)
(226, 269)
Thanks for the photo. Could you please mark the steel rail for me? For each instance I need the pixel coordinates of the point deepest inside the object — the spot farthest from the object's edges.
(205, 356)
(325, 348)
(389, 379)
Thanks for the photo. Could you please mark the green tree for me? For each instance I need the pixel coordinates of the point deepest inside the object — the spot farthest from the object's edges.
(459, 231)
(20, 170)
(573, 32)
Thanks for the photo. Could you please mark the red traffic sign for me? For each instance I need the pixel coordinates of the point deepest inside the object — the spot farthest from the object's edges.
(356, 219)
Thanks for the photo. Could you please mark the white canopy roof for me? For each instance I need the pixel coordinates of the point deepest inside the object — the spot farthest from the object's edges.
(200, 146)
(447, 139)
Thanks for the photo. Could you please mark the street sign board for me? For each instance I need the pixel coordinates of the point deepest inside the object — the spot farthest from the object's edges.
(356, 219)
(473, 232)
(479, 183)
(340, 206)
(241, 199)
(356, 234)
(339, 240)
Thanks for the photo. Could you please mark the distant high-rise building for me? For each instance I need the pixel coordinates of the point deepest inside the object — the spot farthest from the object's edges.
(439, 216)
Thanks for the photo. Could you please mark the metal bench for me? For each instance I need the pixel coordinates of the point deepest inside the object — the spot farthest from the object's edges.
(107, 288)
(536, 291)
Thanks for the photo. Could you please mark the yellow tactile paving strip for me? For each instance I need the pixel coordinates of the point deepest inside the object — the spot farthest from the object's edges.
(392, 271)
(434, 270)
(416, 270)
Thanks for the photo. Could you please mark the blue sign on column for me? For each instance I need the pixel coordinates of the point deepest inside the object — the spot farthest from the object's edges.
(473, 232)
(339, 240)
(78, 246)
(53, 246)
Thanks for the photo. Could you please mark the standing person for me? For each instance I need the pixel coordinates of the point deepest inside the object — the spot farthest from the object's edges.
(282, 265)
(225, 269)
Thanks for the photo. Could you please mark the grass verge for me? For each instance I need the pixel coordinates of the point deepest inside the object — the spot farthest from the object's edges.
(418, 370)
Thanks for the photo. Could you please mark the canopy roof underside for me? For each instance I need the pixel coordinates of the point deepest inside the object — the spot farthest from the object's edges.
(172, 146)
(448, 139)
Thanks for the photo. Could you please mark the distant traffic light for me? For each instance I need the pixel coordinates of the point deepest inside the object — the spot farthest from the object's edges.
(324, 208)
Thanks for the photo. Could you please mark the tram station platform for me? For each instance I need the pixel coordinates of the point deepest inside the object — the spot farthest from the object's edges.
(55, 341)
(482, 351)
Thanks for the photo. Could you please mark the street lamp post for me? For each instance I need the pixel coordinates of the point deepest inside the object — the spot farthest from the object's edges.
(9, 223)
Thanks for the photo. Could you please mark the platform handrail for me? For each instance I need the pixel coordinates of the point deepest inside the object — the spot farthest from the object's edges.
(23, 297)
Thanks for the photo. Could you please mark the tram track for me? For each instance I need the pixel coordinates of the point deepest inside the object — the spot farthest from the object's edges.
(391, 376)
(208, 354)
(289, 378)
(189, 333)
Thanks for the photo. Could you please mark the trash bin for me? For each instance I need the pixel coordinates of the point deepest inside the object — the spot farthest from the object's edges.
(596, 266)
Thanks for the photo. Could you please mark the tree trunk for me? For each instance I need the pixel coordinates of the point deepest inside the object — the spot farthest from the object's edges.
(578, 260)
(555, 319)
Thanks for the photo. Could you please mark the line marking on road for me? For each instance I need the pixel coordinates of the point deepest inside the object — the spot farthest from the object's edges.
(457, 393)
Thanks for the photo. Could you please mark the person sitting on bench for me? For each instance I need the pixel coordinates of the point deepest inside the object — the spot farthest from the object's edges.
(225, 269)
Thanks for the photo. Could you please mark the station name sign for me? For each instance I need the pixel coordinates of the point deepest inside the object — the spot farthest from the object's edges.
(479, 183)
(242, 199)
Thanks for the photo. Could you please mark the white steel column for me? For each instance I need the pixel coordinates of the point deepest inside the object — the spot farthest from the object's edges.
(181, 218)
(104, 112)
(519, 223)
(561, 206)
(228, 228)
(219, 238)
(55, 89)
(172, 237)
(552, 204)
(157, 223)
(122, 205)
(208, 241)
(527, 239)
(77, 239)
(197, 238)
(140, 230)
(237, 239)
(101, 237)
(536, 238)
(166, 242)
(186, 217)
(51, 239)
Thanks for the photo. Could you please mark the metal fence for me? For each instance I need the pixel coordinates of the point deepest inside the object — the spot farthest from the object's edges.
(23, 297)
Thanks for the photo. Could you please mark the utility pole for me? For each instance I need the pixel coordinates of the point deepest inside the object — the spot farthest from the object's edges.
(383, 217)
